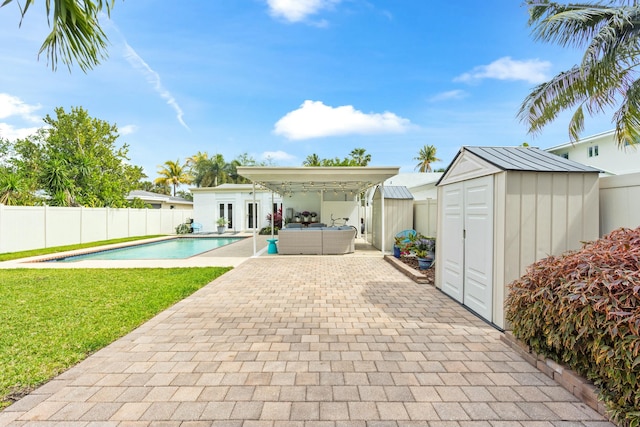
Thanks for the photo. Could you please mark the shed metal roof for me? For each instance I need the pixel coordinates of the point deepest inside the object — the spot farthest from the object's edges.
(528, 159)
(399, 192)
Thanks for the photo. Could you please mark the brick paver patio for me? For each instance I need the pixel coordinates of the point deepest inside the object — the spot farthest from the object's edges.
(306, 341)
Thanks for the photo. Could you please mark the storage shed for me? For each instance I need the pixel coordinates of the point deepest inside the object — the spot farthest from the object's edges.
(500, 209)
(398, 214)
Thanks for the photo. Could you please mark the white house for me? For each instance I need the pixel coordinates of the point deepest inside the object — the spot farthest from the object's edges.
(160, 201)
(244, 210)
(422, 185)
(602, 152)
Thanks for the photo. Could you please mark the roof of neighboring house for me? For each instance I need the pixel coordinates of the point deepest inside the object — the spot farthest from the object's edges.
(415, 179)
(227, 188)
(398, 192)
(586, 140)
(149, 196)
(528, 159)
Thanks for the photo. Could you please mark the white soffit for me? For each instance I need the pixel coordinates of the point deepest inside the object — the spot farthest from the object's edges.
(292, 180)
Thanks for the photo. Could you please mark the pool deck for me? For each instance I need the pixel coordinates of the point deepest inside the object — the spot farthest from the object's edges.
(305, 341)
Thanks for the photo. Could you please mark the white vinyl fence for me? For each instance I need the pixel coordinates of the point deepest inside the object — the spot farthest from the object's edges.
(33, 227)
(619, 202)
(424, 216)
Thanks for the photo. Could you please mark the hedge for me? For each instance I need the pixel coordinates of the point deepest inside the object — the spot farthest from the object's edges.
(583, 309)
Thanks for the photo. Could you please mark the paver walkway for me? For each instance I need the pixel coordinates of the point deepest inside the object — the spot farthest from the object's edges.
(306, 341)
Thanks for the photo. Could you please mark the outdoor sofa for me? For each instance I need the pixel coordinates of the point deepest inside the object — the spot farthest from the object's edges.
(317, 240)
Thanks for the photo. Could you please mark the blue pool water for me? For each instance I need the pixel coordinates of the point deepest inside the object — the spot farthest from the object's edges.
(166, 249)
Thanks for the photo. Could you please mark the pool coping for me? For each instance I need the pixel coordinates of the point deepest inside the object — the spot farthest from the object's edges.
(142, 242)
(200, 260)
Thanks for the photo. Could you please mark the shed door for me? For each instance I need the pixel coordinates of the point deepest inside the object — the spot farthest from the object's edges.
(478, 246)
(467, 245)
(452, 247)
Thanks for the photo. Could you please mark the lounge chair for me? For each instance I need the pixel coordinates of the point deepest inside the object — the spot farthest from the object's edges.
(405, 236)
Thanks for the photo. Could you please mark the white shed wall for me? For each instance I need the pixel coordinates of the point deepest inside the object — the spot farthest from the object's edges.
(544, 214)
(398, 216)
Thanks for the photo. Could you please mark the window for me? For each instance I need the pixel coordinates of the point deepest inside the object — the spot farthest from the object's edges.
(564, 155)
(593, 151)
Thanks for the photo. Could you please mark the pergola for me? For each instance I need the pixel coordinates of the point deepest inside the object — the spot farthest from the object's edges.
(291, 180)
(288, 181)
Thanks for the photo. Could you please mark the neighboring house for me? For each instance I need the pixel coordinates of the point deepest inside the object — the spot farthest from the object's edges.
(422, 185)
(160, 201)
(602, 152)
(236, 203)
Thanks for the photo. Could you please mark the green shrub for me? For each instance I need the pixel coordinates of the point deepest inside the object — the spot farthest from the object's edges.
(267, 230)
(583, 308)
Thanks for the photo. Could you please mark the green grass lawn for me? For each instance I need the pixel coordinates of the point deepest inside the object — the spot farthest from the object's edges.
(45, 251)
(52, 319)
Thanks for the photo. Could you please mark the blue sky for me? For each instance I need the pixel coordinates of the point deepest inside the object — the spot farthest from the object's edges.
(282, 79)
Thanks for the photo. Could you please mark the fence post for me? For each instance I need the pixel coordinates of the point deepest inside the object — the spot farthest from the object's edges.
(44, 224)
(81, 219)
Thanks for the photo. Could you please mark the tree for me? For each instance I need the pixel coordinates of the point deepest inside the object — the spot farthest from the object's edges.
(15, 188)
(160, 188)
(605, 78)
(426, 156)
(75, 161)
(76, 34)
(359, 157)
(312, 160)
(173, 173)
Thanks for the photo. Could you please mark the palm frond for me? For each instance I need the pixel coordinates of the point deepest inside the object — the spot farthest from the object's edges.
(567, 24)
(627, 118)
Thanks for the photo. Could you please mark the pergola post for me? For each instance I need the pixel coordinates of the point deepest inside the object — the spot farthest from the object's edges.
(255, 219)
(382, 215)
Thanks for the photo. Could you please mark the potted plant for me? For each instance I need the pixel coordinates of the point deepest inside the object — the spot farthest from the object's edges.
(305, 216)
(297, 217)
(397, 246)
(222, 222)
(314, 217)
(423, 248)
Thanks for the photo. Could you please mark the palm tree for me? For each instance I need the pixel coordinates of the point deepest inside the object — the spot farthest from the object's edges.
(606, 77)
(426, 156)
(173, 173)
(312, 160)
(359, 156)
(76, 33)
(197, 158)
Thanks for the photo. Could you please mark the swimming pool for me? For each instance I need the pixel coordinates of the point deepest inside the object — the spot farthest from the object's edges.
(179, 248)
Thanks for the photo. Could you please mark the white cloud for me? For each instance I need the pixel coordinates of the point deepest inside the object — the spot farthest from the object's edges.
(127, 130)
(315, 120)
(154, 78)
(14, 106)
(531, 71)
(298, 10)
(445, 96)
(277, 155)
(12, 133)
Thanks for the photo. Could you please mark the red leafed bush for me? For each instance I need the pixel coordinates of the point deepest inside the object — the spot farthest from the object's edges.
(583, 308)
